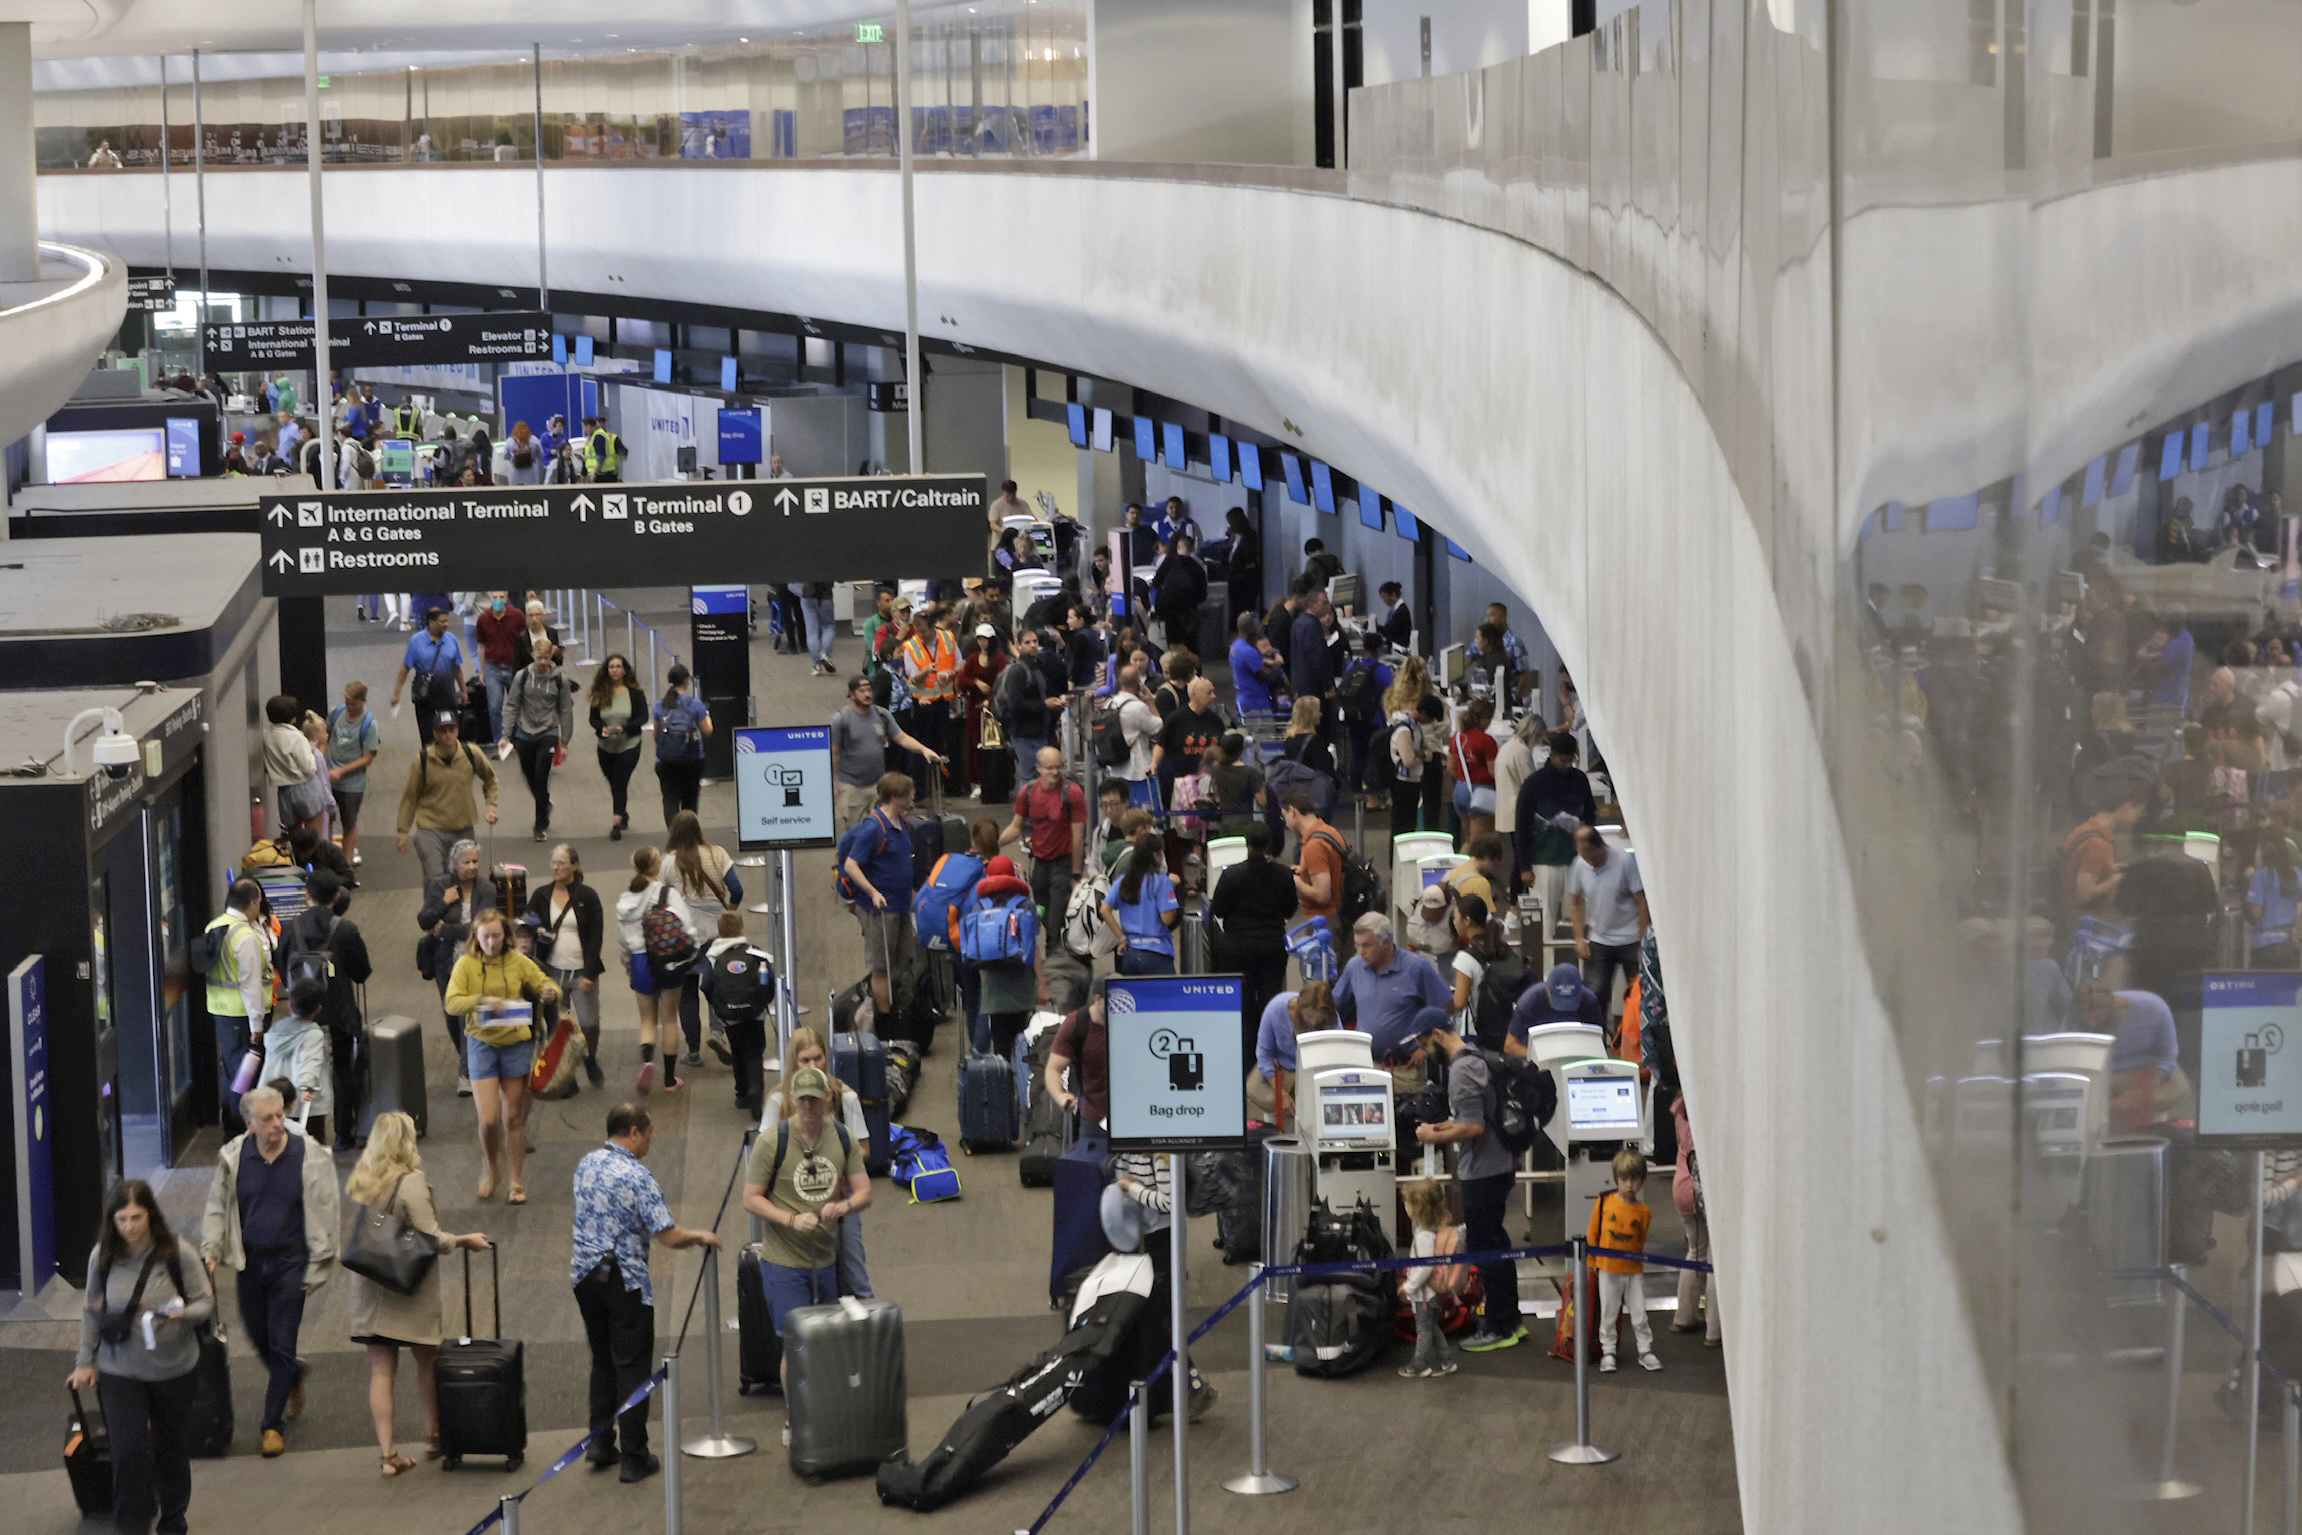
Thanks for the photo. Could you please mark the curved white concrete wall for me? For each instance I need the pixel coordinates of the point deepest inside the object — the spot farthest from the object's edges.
(52, 332)
(1526, 411)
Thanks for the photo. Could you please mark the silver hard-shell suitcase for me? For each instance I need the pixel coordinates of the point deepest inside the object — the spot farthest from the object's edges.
(846, 1389)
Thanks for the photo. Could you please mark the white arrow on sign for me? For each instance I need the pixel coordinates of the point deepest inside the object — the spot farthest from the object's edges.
(783, 500)
(370, 327)
(582, 505)
(279, 515)
(280, 560)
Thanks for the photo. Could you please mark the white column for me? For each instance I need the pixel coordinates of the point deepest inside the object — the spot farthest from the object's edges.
(323, 403)
(19, 211)
(915, 378)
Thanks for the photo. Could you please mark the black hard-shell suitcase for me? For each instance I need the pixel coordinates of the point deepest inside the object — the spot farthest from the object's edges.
(758, 1351)
(998, 772)
(88, 1458)
(1077, 1241)
(482, 1386)
(860, 1060)
(987, 1114)
(209, 1436)
(847, 1387)
(396, 1074)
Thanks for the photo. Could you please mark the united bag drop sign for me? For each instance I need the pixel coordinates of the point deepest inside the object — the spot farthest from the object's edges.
(2250, 1059)
(608, 535)
(1162, 1033)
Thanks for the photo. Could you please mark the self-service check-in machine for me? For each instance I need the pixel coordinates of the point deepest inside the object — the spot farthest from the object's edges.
(2065, 1110)
(1344, 1111)
(1599, 1101)
(1555, 1046)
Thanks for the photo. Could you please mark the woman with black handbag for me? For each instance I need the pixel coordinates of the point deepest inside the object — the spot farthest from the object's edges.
(395, 1218)
(148, 1302)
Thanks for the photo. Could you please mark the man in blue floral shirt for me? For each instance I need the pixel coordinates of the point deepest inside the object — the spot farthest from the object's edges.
(618, 1207)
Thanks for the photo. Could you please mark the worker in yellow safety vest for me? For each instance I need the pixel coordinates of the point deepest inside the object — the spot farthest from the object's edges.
(602, 450)
(239, 981)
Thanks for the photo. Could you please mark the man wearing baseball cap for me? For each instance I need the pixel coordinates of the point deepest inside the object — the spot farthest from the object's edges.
(803, 1180)
(1562, 998)
(437, 803)
(1483, 1167)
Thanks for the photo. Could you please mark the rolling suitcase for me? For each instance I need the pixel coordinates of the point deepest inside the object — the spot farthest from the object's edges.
(987, 1115)
(88, 1458)
(482, 1386)
(847, 1396)
(860, 1060)
(998, 772)
(758, 1351)
(396, 1074)
(210, 1434)
(1078, 1222)
(512, 886)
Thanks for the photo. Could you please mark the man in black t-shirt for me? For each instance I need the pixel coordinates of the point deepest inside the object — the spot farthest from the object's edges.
(1186, 733)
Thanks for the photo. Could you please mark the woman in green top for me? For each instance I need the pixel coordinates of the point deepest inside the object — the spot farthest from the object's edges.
(619, 716)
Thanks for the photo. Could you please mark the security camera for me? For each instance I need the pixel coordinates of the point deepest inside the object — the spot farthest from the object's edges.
(117, 753)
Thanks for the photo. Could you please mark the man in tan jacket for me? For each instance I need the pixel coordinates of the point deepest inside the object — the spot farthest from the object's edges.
(437, 803)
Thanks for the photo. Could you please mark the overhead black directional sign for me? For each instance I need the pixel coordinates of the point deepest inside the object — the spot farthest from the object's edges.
(682, 534)
(152, 294)
(383, 341)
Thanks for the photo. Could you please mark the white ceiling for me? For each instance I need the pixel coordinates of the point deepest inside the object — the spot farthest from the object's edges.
(67, 29)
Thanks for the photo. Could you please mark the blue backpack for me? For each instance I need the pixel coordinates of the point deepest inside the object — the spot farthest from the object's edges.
(948, 883)
(1001, 932)
(921, 1165)
(851, 844)
(678, 731)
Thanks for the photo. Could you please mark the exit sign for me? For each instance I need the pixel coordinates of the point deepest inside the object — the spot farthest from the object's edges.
(870, 32)
(321, 81)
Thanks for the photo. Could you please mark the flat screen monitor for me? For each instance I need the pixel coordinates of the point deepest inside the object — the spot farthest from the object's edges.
(1146, 435)
(91, 458)
(728, 374)
(1250, 466)
(1356, 1114)
(583, 351)
(560, 350)
(1343, 592)
(1219, 457)
(1292, 465)
(1177, 455)
(1603, 1104)
(1370, 508)
(1076, 419)
(183, 448)
(1322, 487)
(663, 365)
(1100, 430)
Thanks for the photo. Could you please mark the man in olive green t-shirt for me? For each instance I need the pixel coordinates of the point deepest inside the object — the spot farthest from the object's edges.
(803, 1180)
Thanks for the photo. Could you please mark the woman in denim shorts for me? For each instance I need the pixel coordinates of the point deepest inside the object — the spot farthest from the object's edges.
(494, 989)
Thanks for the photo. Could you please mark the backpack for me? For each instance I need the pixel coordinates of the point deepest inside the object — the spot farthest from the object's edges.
(678, 738)
(919, 1162)
(523, 458)
(1004, 931)
(1525, 1097)
(1108, 737)
(303, 952)
(947, 888)
(850, 845)
(1501, 984)
(205, 951)
(1193, 791)
(1282, 778)
(1362, 694)
(1084, 935)
(742, 985)
(364, 462)
(664, 936)
(1450, 1279)
(1363, 889)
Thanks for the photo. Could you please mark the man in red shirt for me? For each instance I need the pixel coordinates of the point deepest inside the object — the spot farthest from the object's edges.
(497, 626)
(1055, 812)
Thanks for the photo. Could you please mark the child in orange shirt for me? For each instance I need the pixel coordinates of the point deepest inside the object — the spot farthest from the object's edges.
(1619, 1221)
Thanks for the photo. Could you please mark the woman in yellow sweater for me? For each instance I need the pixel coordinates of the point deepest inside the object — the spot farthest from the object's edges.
(494, 989)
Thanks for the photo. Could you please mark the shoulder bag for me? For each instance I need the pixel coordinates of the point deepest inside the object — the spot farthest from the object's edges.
(385, 1249)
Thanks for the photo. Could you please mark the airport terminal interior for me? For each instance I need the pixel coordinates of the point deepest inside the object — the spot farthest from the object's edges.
(1302, 765)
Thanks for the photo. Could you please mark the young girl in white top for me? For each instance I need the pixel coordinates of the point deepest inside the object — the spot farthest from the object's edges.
(1421, 1286)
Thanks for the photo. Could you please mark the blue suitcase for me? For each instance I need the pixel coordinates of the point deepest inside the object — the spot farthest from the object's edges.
(860, 1060)
(1078, 1236)
(988, 1120)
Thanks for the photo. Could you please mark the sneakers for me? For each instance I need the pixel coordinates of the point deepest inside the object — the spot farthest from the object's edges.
(640, 1470)
(358, 858)
(463, 1085)
(1412, 1372)
(1202, 1397)
(1607, 1364)
(591, 1070)
(787, 1433)
(275, 1444)
(1649, 1362)
(1444, 1368)
(1486, 1342)
(692, 1058)
(720, 1049)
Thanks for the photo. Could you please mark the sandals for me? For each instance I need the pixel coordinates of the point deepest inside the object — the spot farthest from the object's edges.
(432, 1445)
(518, 1195)
(395, 1464)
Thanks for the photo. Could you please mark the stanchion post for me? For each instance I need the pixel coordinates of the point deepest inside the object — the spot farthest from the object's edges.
(716, 1443)
(1581, 1452)
(1260, 1480)
(1179, 1328)
(2254, 1342)
(787, 928)
(1139, 1457)
(509, 1504)
(671, 1462)
(2170, 1488)
(2290, 1510)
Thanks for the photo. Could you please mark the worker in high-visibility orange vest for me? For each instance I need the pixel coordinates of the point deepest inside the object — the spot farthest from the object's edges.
(931, 666)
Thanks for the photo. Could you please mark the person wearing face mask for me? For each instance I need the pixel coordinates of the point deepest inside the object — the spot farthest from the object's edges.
(539, 716)
(497, 628)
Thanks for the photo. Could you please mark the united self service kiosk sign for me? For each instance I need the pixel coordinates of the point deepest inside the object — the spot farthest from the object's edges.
(783, 787)
(2250, 1059)
(1174, 1047)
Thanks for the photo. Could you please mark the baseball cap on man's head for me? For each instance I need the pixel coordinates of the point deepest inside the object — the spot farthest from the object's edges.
(445, 720)
(809, 1082)
(1395, 1043)
(1565, 984)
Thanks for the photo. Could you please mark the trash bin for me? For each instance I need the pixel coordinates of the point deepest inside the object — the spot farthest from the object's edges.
(1287, 1184)
(2126, 1213)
